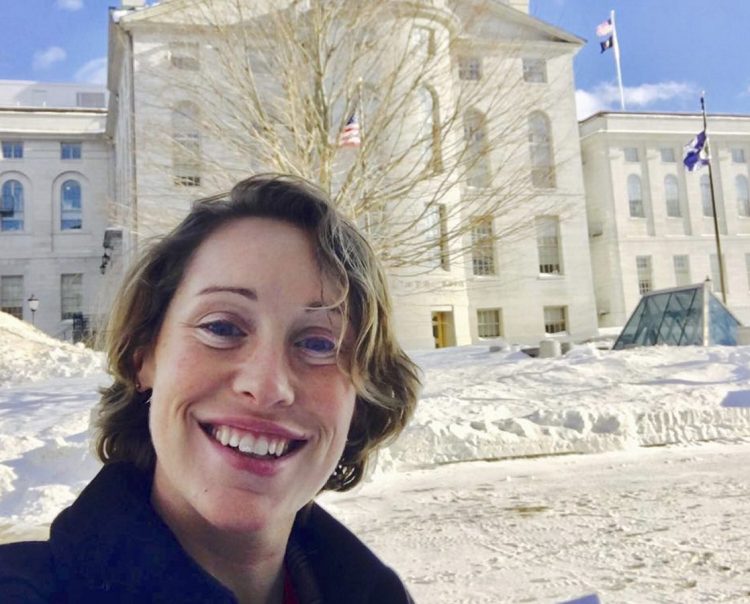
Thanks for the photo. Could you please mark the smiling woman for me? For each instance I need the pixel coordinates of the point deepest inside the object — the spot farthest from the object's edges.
(253, 366)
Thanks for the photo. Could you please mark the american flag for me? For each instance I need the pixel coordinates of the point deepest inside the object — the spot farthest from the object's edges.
(350, 135)
(604, 28)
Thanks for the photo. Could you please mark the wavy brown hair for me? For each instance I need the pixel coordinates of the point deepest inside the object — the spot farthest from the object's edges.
(385, 379)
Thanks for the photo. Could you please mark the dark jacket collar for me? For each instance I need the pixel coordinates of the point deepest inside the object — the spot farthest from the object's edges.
(111, 541)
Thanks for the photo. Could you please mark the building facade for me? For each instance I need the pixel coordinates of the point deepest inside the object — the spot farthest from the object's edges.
(522, 274)
(55, 183)
(651, 221)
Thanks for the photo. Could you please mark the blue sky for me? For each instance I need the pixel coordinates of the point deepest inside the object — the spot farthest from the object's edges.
(670, 49)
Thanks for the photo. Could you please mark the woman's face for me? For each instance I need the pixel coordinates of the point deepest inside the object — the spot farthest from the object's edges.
(250, 412)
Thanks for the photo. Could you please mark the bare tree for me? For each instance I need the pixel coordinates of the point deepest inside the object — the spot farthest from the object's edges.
(444, 134)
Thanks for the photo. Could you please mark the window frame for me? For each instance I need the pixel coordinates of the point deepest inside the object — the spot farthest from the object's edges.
(644, 274)
(8, 217)
(738, 155)
(673, 204)
(636, 207)
(74, 147)
(16, 309)
(66, 311)
(558, 324)
(541, 151)
(470, 68)
(631, 155)
(495, 324)
(549, 247)
(681, 270)
(71, 214)
(12, 149)
(534, 70)
(483, 247)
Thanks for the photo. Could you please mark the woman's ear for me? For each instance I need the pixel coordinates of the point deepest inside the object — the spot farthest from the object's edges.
(143, 359)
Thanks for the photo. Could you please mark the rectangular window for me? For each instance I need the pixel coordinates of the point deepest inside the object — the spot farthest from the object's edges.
(184, 55)
(186, 159)
(70, 150)
(91, 100)
(548, 245)
(716, 275)
(738, 156)
(555, 319)
(489, 323)
(12, 149)
(535, 70)
(71, 294)
(470, 68)
(11, 295)
(667, 155)
(436, 218)
(422, 42)
(631, 154)
(636, 208)
(483, 247)
(645, 279)
(681, 270)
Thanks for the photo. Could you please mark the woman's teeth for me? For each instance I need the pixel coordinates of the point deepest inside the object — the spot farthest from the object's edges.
(250, 444)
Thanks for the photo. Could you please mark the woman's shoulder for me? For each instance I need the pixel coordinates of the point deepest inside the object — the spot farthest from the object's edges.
(345, 569)
(27, 572)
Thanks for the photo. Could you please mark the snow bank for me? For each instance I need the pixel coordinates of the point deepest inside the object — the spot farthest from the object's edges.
(479, 405)
(28, 354)
(476, 405)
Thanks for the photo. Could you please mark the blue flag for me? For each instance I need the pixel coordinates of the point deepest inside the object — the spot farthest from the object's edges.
(692, 158)
(608, 43)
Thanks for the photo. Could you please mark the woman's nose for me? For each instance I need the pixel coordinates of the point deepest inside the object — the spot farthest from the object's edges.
(265, 375)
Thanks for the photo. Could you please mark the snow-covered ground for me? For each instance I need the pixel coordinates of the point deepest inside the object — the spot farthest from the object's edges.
(638, 522)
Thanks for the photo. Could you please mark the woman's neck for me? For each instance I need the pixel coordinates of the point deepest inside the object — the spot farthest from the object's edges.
(249, 563)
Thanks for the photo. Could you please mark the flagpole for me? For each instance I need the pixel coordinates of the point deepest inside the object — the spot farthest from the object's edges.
(617, 58)
(720, 257)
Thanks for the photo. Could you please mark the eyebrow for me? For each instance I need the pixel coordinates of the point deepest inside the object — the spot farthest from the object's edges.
(251, 294)
(245, 292)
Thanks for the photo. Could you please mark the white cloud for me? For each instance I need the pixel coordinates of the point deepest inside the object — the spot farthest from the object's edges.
(46, 58)
(93, 72)
(606, 96)
(71, 5)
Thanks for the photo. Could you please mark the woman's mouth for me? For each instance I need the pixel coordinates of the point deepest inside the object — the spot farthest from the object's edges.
(256, 446)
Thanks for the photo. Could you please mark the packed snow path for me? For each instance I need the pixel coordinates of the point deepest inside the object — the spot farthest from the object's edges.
(659, 525)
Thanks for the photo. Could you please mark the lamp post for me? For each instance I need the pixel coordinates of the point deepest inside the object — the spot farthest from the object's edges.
(33, 306)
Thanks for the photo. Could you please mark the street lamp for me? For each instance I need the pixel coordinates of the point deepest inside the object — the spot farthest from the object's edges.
(33, 306)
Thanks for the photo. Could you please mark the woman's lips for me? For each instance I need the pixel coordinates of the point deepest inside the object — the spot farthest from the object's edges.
(247, 445)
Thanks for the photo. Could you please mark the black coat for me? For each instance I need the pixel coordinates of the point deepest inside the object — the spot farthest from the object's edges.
(111, 546)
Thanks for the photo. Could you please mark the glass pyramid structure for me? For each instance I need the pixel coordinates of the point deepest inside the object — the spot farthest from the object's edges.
(682, 316)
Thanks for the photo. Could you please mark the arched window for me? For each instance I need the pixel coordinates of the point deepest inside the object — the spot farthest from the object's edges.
(743, 197)
(542, 155)
(635, 196)
(186, 151)
(429, 128)
(672, 195)
(71, 214)
(477, 148)
(706, 196)
(11, 208)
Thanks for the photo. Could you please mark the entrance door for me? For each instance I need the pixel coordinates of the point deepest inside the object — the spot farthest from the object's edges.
(442, 329)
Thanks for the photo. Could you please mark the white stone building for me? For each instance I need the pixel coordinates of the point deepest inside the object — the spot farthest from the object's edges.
(523, 288)
(55, 175)
(650, 220)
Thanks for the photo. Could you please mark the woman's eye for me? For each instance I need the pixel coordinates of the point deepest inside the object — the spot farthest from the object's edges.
(318, 346)
(222, 329)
